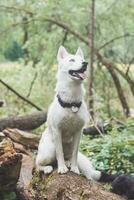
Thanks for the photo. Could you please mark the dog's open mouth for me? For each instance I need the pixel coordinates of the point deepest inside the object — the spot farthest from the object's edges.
(79, 74)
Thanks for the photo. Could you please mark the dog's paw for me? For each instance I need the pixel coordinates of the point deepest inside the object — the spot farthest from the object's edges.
(75, 169)
(48, 169)
(62, 169)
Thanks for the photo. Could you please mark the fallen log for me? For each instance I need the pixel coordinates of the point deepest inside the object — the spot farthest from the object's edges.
(10, 165)
(102, 127)
(21, 149)
(27, 122)
(69, 186)
(29, 140)
(2, 136)
(37, 186)
(93, 131)
(23, 191)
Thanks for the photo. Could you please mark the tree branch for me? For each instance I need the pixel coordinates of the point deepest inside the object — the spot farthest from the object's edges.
(126, 77)
(20, 96)
(32, 83)
(17, 24)
(17, 9)
(114, 39)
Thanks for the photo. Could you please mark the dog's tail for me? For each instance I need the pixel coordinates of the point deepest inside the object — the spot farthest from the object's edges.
(90, 172)
(121, 184)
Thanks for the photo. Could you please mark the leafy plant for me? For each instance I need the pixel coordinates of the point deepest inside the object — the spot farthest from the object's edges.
(113, 152)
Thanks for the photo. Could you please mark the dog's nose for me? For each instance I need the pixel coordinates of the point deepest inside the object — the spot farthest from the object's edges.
(84, 64)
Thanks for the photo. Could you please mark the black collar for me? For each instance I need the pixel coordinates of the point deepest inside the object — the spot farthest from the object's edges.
(68, 105)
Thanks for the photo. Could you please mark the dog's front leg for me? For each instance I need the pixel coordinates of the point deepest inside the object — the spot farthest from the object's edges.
(76, 141)
(59, 151)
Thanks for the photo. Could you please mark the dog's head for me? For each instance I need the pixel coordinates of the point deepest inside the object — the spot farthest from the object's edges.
(73, 66)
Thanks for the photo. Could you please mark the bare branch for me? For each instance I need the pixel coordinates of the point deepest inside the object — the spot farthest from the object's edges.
(20, 96)
(5, 7)
(16, 24)
(114, 39)
(129, 65)
(31, 85)
(127, 78)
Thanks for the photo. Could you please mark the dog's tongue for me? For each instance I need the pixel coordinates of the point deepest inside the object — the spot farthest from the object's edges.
(82, 75)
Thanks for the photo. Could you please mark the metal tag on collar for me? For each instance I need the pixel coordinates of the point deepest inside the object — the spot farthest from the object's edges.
(75, 109)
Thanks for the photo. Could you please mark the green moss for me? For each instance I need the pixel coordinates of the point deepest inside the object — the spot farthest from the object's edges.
(107, 187)
(35, 179)
(39, 183)
(50, 177)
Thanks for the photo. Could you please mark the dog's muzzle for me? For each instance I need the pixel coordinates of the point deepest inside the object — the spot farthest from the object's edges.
(80, 72)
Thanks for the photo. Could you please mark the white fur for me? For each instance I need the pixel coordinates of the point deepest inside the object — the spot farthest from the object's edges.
(60, 141)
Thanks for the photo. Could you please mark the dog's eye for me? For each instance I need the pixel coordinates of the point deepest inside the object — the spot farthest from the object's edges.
(72, 60)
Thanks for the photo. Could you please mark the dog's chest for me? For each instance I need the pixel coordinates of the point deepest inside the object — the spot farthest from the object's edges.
(71, 122)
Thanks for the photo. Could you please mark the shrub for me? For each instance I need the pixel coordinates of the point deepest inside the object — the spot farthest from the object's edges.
(14, 52)
(113, 152)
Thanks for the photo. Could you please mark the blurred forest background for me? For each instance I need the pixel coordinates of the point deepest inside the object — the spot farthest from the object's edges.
(30, 35)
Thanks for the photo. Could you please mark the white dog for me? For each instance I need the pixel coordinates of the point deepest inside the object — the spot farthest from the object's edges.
(66, 118)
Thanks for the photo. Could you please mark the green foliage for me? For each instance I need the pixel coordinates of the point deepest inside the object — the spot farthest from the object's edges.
(8, 196)
(20, 78)
(113, 152)
(14, 52)
(44, 38)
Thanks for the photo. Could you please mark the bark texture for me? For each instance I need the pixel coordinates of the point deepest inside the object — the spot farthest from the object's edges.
(10, 165)
(120, 92)
(23, 190)
(27, 122)
(91, 58)
(29, 140)
(68, 187)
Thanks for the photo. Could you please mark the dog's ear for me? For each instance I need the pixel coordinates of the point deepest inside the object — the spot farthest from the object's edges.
(62, 53)
(79, 52)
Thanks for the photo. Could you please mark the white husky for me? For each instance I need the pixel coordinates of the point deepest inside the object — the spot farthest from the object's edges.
(66, 118)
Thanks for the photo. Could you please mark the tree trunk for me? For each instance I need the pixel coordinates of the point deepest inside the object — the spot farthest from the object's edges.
(120, 92)
(127, 78)
(91, 60)
(25, 39)
(116, 80)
